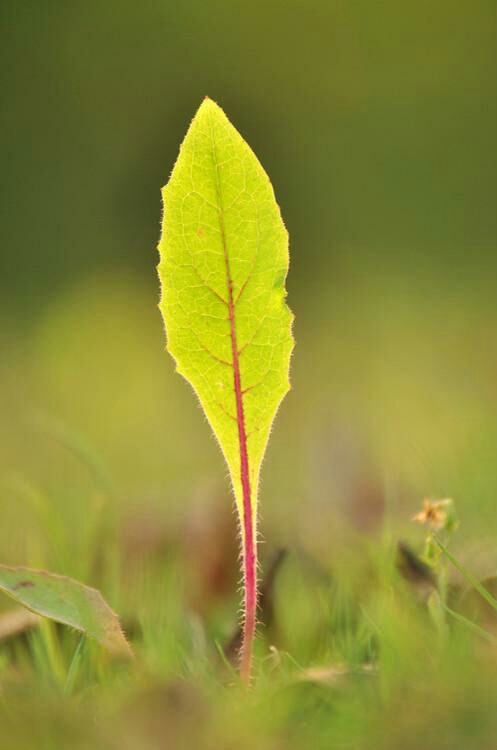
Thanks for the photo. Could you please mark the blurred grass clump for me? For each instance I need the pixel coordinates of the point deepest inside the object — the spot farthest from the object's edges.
(379, 136)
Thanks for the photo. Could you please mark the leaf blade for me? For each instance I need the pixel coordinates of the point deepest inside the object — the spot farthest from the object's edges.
(66, 601)
(224, 261)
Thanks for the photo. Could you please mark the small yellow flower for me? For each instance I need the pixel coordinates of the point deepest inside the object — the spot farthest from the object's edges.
(433, 513)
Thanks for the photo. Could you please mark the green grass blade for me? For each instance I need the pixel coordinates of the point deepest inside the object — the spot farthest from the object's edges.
(471, 579)
(470, 625)
(73, 671)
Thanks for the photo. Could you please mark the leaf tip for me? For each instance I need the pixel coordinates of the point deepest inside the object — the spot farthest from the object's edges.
(209, 104)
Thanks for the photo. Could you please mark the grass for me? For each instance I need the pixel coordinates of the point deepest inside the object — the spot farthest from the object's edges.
(350, 660)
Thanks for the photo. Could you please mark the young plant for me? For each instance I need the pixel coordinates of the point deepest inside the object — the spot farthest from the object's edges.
(223, 265)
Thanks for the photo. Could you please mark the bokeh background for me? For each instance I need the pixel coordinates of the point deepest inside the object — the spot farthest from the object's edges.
(377, 124)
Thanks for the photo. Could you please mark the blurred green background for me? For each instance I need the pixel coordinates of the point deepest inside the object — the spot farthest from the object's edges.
(377, 124)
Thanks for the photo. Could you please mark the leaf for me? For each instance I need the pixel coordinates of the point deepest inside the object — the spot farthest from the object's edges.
(224, 261)
(66, 601)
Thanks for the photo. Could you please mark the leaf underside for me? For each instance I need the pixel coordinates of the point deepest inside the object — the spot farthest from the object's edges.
(223, 265)
(66, 601)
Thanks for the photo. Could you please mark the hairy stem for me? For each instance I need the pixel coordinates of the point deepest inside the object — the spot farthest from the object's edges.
(249, 549)
(250, 599)
(249, 540)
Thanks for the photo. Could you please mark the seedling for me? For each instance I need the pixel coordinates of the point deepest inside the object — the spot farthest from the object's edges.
(223, 265)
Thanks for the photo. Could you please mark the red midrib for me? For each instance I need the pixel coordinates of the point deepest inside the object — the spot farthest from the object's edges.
(249, 546)
(248, 535)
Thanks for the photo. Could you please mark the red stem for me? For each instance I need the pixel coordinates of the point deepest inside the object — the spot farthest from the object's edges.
(248, 531)
(249, 548)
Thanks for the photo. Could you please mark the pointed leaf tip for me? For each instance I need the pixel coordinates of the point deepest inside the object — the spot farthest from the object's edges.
(66, 601)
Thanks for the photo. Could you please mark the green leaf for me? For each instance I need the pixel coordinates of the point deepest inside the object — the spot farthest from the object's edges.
(66, 601)
(224, 261)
